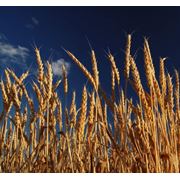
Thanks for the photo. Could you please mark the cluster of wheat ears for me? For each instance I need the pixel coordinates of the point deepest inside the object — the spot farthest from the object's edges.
(141, 137)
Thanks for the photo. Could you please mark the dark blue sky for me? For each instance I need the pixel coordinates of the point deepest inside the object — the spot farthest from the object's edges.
(52, 28)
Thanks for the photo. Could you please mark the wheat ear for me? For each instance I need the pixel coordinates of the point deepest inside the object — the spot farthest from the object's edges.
(82, 118)
(65, 80)
(84, 70)
(114, 67)
(95, 68)
(40, 66)
(127, 57)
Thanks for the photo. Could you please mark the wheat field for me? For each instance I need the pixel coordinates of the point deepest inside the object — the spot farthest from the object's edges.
(46, 136)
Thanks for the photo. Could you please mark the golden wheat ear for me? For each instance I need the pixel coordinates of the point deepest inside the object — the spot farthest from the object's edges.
(65, 80)
(114, 68)
(95, 68)
(40, 66)
(127, 57)
(83, 69)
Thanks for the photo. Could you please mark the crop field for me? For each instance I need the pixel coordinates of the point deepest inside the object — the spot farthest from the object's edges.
(107, 132)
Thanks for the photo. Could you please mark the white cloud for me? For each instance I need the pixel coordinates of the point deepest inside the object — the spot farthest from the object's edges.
(13, 54)
(57, 67)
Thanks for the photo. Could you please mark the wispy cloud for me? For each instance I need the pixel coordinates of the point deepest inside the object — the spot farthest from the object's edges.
(57, 67)
(34, 22)
(29, 26)
(3, 37)
(13, 54)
